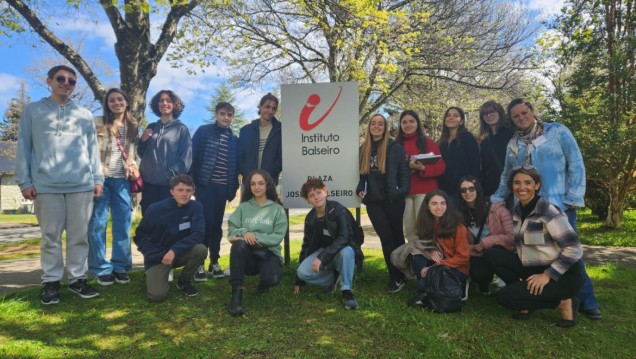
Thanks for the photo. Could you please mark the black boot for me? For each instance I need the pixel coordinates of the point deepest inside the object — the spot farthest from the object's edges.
(235, 307)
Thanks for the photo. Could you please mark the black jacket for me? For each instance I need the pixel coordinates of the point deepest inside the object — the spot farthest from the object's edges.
(493, 157)
(398, 174)
(462, 159)
(205, 151)
(247, 158)
(339, 227)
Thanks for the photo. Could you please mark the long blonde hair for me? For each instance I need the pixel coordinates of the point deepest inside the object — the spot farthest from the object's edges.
(365, 149)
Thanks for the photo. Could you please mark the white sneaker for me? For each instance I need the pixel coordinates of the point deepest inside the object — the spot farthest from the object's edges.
(215, 271)
(499, 283)
(227, 272)
(170, 276)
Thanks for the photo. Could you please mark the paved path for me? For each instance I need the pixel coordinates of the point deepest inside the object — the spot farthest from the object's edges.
(25, 273)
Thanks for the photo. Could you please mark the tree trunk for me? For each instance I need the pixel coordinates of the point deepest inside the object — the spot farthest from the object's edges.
(616, 204)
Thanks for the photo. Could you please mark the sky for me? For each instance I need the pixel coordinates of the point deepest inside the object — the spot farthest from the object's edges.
(19, 55)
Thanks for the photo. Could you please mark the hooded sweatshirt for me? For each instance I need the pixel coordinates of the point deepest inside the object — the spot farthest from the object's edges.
(167, 153)
(268, 223)
(57, 149)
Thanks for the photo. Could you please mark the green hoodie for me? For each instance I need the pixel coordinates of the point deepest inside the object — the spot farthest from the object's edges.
(57, 149)
(268, 223)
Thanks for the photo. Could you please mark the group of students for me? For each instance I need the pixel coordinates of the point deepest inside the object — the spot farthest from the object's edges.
(452, 212)
(449, 218)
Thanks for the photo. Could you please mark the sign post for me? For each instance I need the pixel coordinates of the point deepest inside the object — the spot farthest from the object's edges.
(320, 139)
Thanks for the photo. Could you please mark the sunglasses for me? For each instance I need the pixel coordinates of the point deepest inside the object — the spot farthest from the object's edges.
(470, 189)
(525, 167)
(62, 79)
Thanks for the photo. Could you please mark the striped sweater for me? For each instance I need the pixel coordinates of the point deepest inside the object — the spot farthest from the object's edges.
(545, 238)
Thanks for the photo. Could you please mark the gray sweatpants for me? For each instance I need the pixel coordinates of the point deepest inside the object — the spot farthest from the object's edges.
(57, 212)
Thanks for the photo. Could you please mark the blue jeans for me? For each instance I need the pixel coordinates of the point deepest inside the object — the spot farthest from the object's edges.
(213, 198)
(419, 262)
(344, 261)
(116, 197)
(586, 293)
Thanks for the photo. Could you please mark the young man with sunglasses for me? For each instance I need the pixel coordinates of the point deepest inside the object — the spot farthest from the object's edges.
(57, 166)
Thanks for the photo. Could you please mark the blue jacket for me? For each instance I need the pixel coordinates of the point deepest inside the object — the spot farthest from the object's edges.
(205, 151)
(166, 226)
(557, 157)
(247, 159)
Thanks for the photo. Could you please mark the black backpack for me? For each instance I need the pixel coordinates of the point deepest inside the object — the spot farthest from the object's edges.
(358, 239)
(443, 290)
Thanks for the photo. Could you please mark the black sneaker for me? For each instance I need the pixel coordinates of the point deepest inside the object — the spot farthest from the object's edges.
(349, 300)
(121, 278)
(395, 286)
(83, 289)
(50, 293)
(106, 280)
(215, 271)
(187, 288)
(199, 275)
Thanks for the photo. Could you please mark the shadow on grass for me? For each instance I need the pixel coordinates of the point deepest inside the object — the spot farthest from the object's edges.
(122, 324)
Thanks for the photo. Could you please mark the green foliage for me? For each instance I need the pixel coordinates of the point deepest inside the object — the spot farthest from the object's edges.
(595, 86)
(11, 119)
(122, 324)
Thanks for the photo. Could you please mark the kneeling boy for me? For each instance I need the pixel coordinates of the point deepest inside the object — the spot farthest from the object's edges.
(328, 244)
(169, 236)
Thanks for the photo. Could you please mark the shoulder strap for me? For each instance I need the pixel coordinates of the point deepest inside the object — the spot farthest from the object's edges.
(483, 223)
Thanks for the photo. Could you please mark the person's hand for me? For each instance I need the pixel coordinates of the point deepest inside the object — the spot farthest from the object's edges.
(424, 271)
(315, 265)
(168, 258)
(436, 256)
(417, 166)
(250, 238)
(296, 289)
(536, 282)
(134, 173)
(30, 193)
(147, 134)
(98, 191)
(361, 194)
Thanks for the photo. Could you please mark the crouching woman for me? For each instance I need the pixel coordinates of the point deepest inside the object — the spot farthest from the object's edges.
(442, 240)
(256, 229)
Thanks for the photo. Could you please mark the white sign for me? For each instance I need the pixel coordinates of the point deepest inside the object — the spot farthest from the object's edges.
(320, 139)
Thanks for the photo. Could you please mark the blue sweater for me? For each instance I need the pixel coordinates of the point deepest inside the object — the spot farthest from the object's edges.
(166, 226)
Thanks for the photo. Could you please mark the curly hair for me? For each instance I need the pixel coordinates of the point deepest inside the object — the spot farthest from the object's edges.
(312, 183)
(178, 104)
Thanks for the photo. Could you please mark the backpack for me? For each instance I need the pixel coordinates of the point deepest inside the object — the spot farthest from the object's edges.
(358, 239)
(443, 290)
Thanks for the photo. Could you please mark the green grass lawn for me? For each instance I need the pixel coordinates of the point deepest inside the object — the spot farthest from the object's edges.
(122, 324)
(18, 218)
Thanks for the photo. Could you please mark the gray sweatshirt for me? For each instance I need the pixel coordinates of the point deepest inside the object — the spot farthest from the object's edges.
(57, 149)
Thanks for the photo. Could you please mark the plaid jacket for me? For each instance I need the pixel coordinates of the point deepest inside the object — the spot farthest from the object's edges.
(545, 237)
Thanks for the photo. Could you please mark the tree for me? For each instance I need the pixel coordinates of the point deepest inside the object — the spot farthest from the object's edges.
(11, 118)
(138, 56)
(224, 94)
(382, 45)
(595, 86)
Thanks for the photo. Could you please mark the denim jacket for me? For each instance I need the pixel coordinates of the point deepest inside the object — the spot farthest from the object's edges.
(557, 157)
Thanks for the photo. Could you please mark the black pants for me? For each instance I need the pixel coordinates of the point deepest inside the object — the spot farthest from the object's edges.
(505, 264)
(517, 296)
(387, 218)
(153, 193)
(246, 260)
(481, 272)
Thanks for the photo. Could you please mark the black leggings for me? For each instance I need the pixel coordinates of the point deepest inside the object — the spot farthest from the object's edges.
(247, 260)
(386, 218)
(517, 296)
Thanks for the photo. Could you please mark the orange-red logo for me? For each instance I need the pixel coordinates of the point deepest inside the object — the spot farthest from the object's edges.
(312, 101)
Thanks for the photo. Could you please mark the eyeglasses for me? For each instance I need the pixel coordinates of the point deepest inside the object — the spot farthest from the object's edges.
(62, 79)
(470, 189)
(525, 167)
(486, 114)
